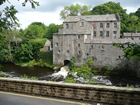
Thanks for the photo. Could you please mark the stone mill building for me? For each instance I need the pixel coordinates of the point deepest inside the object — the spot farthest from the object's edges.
(87, 37)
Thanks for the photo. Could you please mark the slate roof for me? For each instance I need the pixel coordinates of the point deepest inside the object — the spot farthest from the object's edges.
(108, 41)
(133, 34)
(108, 17)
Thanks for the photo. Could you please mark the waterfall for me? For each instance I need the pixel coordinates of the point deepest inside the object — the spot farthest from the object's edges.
(60, 75)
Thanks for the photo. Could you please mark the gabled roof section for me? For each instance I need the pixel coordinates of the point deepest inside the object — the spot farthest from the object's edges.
(107, 17)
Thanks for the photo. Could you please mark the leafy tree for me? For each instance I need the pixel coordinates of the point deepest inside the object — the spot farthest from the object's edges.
(131, 50)
(33, 32)
(137, 13)
(133, 20)
(9, 36)
(39, 24)
(74, 10)
(24, 53)
(112, 8)
(52, 28)
(7, 15)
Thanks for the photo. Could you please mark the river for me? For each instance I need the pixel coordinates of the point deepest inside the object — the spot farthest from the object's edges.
(16, 71)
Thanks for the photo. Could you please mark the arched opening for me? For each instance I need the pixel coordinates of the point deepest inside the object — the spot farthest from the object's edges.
(66, 62)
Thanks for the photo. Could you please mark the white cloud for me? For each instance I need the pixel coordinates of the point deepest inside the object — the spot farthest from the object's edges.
(27, 18)
(131, 9)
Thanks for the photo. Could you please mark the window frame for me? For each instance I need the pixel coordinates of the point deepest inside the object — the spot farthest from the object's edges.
(101, 32)
(115, 25)
(94, 33)
(107, 33)
(108, 25)
(67, 25)
(101, 25)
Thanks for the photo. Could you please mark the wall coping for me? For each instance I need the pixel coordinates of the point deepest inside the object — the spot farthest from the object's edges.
(73, 85)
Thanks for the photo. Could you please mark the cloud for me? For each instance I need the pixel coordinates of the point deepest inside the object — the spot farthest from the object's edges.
(48, 11)
(26, 18)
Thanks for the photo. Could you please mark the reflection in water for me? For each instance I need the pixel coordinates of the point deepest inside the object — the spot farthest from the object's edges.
(16, 71)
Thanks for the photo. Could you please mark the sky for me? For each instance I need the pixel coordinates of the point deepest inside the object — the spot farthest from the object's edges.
(49, 10)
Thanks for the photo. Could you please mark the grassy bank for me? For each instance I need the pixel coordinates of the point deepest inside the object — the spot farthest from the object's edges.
(45, 60)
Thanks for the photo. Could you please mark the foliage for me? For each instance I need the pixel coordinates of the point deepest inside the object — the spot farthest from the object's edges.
(52, 28)
(74, 10)
(24, 53)
(2, 74)
(84, 72)
(8, 17)
(72, 64)
(131, 50)
(28, 50)
(39, 24)
(134, 21)
(26, 77)
(33, 32)
(9, 36)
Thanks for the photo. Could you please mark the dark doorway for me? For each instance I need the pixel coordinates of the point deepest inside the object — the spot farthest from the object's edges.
(66, 62)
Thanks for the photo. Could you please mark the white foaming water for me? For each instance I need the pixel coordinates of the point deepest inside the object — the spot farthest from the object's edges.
(63, 72)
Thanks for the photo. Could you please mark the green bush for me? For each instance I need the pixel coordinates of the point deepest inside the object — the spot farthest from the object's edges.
(26, 77)
(72, 64)
(85, 72)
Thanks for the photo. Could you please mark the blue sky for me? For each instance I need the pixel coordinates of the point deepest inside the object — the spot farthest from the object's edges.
(49, 10)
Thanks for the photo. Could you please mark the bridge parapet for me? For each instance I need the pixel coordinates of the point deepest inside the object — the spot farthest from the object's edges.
(95, 93)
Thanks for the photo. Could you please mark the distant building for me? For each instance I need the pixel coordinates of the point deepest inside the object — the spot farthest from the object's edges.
(47, 46)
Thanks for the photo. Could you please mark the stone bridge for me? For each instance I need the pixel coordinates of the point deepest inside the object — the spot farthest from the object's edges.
(93, 93)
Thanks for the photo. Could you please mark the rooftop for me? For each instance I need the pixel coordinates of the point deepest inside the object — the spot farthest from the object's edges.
(107, 17)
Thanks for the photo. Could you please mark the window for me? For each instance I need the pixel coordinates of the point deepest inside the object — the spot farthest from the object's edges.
(132, 38)
(115, 25)
(78, 44)
(114, 32)
(82, 23)
(94, 33)
(101, 33)
(78, 37)
(107, 25)
(67, 25)
(56, 44)
(58, 51)
(67, 51)
(101, 25)
(107, 33)
(79, 52)
(139, 38)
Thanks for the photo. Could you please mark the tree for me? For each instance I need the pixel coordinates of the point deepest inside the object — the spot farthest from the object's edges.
(33, 32)
(9, 36)
(137, 13)
(8, 17)
(112, 8)
(74, 10)
(131, 50)
(133, 20)
(52, 28)
(39, 24)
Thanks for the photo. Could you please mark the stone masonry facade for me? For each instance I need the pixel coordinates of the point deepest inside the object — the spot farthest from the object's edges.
(90, 93)
(87, 37)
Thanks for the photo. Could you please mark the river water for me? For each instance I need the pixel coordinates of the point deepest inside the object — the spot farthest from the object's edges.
(15, 71)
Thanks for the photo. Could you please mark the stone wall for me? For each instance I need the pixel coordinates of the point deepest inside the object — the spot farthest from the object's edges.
(95, 93)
